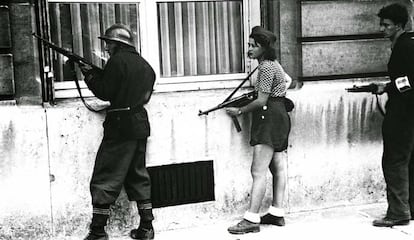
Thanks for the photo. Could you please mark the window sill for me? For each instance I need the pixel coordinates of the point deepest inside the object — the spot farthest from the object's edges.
(68, 89)
(8, 103)
(193, 86)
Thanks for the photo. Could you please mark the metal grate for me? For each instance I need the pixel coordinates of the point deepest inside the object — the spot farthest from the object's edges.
(183, 183)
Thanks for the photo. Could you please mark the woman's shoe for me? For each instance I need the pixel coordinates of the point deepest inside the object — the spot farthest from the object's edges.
(244, 226)
(273, 220)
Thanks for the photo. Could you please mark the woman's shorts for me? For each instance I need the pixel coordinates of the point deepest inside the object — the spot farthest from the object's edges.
(271, 125)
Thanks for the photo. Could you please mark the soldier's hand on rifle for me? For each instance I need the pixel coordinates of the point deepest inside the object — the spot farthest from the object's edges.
(233, 111)
(85, 68)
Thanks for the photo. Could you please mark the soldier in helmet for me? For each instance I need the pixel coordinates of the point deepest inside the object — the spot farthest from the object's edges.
(127, 83)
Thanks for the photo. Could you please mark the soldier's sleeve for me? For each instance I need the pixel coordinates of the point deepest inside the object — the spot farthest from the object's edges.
(105, 86)
(404, 82)
(149, 82)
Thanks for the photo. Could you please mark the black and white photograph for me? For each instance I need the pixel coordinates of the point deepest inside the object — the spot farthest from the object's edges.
(206, 119)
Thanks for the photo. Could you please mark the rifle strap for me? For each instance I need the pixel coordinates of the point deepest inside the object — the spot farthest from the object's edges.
(89, 107)
(240, 85)
(379, 106)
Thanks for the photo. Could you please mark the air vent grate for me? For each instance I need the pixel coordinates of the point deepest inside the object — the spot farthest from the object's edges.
(183, 183)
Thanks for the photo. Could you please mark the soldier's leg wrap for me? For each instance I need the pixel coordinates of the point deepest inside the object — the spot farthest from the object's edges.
(145, 214)
(145, 229)
(99, 219)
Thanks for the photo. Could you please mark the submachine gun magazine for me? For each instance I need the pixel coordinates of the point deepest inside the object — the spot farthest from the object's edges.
(371, 88)
(239, 101)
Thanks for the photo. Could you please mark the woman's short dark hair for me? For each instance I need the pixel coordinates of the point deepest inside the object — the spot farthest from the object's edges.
(396, 12)
(267, 44)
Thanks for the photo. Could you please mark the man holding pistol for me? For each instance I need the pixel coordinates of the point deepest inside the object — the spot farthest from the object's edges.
(127, 83)
(398, 124)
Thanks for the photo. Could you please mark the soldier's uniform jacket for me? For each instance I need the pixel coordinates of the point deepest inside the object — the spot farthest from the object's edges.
(125, 82)
(401, 64)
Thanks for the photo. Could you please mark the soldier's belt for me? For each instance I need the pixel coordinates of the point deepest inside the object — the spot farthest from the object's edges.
(118, 109)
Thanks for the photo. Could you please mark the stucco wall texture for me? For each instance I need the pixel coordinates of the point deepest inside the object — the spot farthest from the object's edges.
(47, 156)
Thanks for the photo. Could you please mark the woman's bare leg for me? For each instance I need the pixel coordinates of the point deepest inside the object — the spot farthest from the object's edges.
(262, 156)
(278, 168)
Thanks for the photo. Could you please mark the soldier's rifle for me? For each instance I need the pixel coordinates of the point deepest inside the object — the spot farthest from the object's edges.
(73, 57)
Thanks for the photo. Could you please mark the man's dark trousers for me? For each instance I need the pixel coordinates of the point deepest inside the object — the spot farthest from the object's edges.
(120, 163)
(398, 158)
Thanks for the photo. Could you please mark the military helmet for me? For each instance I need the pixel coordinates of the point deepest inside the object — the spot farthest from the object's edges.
(119, 33)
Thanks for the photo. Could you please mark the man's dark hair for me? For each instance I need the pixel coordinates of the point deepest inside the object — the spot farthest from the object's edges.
(395, 12)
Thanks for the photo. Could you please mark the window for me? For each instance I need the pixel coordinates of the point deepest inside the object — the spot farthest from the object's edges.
(190, 44)
(200, 38)
(76, 27)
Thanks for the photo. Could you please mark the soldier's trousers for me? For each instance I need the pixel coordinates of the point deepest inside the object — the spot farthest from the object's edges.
(120, 163)
(398, 160)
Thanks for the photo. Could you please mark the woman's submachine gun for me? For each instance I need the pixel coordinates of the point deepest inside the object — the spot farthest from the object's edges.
(239, 101)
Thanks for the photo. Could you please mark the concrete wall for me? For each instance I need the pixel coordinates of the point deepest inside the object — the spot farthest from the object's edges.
(48, 154)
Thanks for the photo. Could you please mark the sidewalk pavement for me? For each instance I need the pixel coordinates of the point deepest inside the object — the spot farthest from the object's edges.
(335, 223)
(350, 222)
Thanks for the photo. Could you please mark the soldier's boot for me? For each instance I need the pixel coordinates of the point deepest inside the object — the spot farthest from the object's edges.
(97, 226)
(145, 230)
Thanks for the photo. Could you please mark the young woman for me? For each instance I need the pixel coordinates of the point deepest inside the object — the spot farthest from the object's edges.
(269, 133)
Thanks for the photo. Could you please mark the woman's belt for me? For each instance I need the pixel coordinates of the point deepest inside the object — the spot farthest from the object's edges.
(289, 105)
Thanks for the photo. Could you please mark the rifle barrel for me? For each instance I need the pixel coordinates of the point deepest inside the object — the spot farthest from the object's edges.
(70, 55)
(206, 112)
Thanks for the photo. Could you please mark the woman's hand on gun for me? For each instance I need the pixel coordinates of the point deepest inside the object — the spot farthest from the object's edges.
(233, 111)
